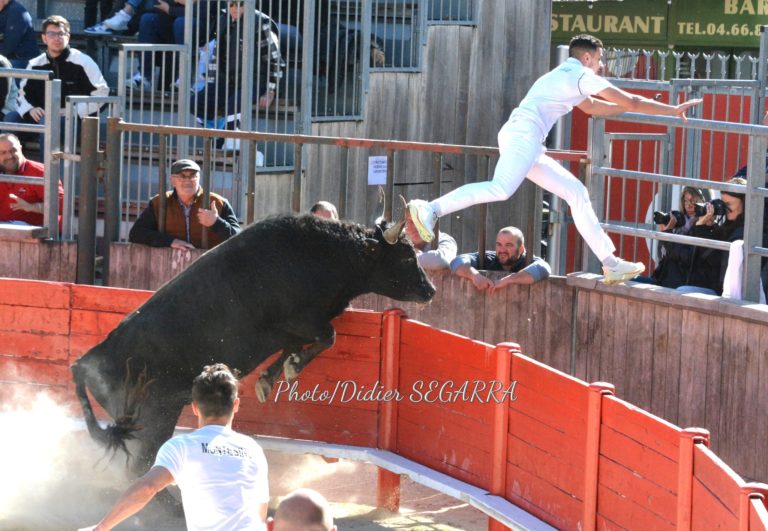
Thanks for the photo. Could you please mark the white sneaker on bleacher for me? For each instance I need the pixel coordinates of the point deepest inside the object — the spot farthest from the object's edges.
(98, 29)
(118, 22)
(138, 82)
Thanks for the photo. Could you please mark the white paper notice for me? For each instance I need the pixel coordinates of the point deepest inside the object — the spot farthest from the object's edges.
(377, 169)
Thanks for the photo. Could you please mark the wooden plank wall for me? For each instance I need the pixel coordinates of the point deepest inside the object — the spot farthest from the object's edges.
(472, 78)
(38, 259)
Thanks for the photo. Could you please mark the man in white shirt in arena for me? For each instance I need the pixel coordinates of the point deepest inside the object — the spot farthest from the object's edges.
(222, 474)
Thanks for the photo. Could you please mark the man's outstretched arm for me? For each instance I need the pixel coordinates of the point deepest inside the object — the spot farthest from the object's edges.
(616, 101)
(136, 497)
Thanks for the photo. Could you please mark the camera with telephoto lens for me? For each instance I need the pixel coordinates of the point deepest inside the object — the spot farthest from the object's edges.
(662, 218)
(718, 204)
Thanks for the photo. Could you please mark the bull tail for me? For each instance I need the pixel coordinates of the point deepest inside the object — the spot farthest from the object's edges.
(114, 436)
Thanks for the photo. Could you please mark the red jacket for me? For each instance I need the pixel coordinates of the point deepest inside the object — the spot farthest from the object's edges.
(32, 193)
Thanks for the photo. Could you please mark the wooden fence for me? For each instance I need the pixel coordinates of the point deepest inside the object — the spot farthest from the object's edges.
(568, 452)
(691, 360)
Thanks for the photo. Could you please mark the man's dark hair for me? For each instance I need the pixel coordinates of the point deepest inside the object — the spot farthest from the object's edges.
(583, 43)
(56, 20)
(215, 390)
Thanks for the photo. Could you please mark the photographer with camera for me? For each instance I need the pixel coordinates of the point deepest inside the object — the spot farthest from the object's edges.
(719, 219)
(672, 269)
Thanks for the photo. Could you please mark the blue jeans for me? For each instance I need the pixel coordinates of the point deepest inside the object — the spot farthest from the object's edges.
(141, 5)
(695, 289)
(155, 28)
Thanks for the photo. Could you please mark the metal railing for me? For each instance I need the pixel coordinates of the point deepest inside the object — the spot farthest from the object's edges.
(604, 175)
(451, 12)
(665, 64)
(51, 138)
(72, 171)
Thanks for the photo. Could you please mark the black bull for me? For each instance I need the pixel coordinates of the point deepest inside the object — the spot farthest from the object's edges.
(274, 287)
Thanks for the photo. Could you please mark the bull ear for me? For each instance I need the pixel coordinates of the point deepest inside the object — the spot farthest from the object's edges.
(393, 233)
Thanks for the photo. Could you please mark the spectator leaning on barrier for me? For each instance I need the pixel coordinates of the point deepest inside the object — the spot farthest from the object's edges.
(427, 257)
(22, 203)
(185, 215)
(510, 255)
(8, 90)
(18, 41)
(302, 510)
(79, 75)
(222, 474)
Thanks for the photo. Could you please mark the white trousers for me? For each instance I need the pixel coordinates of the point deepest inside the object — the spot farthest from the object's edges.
(521, 156)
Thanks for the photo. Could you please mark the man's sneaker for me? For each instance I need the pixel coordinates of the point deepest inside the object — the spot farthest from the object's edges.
(137, 82)
(424, 218)
(98, 29)
(118, 22)
(622, 272)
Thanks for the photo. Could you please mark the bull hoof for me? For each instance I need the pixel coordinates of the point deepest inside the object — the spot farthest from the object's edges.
(290, 367)
(262, 389)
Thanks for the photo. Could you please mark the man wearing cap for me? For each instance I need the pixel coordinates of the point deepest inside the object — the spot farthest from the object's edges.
(185, 215)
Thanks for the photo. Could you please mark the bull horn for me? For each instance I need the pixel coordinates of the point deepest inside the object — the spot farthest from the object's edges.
(383, 201)
(393, 233)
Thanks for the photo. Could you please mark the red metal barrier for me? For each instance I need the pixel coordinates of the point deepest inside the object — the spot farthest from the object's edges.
(567, 452)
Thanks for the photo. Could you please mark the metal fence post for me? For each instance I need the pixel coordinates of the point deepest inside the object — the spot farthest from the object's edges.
(597, 157)
(112, 189)
(753, 217)
(86, 226)
(52, 142)
(758, 103)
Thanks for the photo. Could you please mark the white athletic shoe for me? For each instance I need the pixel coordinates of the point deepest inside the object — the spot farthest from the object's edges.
(138, 83)
(118, 22)
(622, 272)
(424, 218)
(98, 29)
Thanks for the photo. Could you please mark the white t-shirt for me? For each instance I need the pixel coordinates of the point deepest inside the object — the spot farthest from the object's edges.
(556, 93)
(222, 475)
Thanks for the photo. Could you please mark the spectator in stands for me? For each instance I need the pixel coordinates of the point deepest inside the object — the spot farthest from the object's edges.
(18, 41)
(672, 270)
(222, 474)
(79, 75)
(121, 18)
(164, 24)
(427, 257)
(708, 265)
(510, 256)
(185, 215)
(302, 510)
(324, 209)
(8, 90)
(22, 203)
(218, 102)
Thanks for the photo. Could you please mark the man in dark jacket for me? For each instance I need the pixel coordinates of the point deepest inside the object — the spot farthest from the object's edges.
(185, 215)
(220, 97)
(18, 41)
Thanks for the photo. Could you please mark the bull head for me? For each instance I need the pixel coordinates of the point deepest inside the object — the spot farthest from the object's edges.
(392, 234)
